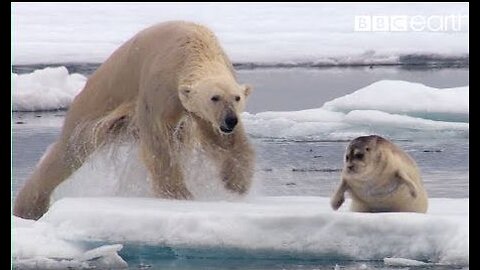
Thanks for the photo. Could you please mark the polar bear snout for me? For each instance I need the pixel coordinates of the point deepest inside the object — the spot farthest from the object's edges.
(229, 123)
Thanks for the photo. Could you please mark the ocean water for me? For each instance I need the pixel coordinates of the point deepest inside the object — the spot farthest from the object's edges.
(299, 159)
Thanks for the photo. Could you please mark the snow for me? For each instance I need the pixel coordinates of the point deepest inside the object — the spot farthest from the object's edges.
(301, 227)
(318, 33)
(45, 89)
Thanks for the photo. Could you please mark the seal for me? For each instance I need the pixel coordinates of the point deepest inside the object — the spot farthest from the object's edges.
(380, 177)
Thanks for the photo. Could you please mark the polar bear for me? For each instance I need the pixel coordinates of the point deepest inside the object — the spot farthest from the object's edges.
(169, 87)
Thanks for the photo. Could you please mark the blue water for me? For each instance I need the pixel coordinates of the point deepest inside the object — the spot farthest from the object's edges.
(144, 256)
(285, 167)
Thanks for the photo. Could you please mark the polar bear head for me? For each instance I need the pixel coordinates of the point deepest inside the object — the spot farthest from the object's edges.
(217, 101)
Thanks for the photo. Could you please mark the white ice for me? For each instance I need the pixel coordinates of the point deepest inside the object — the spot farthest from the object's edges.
(99, 205)
(402, 262)
(402, 97)
(405, 109)
(301, 227)
(36, 245)
(249, 32)
(393, 108)
(45, 89)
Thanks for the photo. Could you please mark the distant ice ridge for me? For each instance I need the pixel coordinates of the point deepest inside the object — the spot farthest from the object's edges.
(388, 107)
(45, 89)
(314, 33)
(299, 227)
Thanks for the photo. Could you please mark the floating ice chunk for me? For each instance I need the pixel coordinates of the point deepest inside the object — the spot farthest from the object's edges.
(386, 120)
(408, 98)
(104, 257)
(402, 262)
(393, 108)
(37, 245)
(45, 89)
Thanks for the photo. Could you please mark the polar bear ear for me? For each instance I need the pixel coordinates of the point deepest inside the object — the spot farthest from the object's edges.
(247, 89)
(185, 90)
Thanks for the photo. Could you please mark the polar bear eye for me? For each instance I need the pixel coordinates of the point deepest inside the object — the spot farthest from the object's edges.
(215, 98)
(237, 98)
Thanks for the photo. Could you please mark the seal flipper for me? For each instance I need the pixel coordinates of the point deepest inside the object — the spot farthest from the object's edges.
(404, 178)
(339, 196)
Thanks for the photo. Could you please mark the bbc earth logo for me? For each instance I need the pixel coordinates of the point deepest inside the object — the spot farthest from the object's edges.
(417, 23)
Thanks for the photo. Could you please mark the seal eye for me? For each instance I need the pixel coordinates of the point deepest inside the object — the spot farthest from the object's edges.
(237, 98)
(367, 149)
(358, 156)
(215, 98)
(346, 158)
